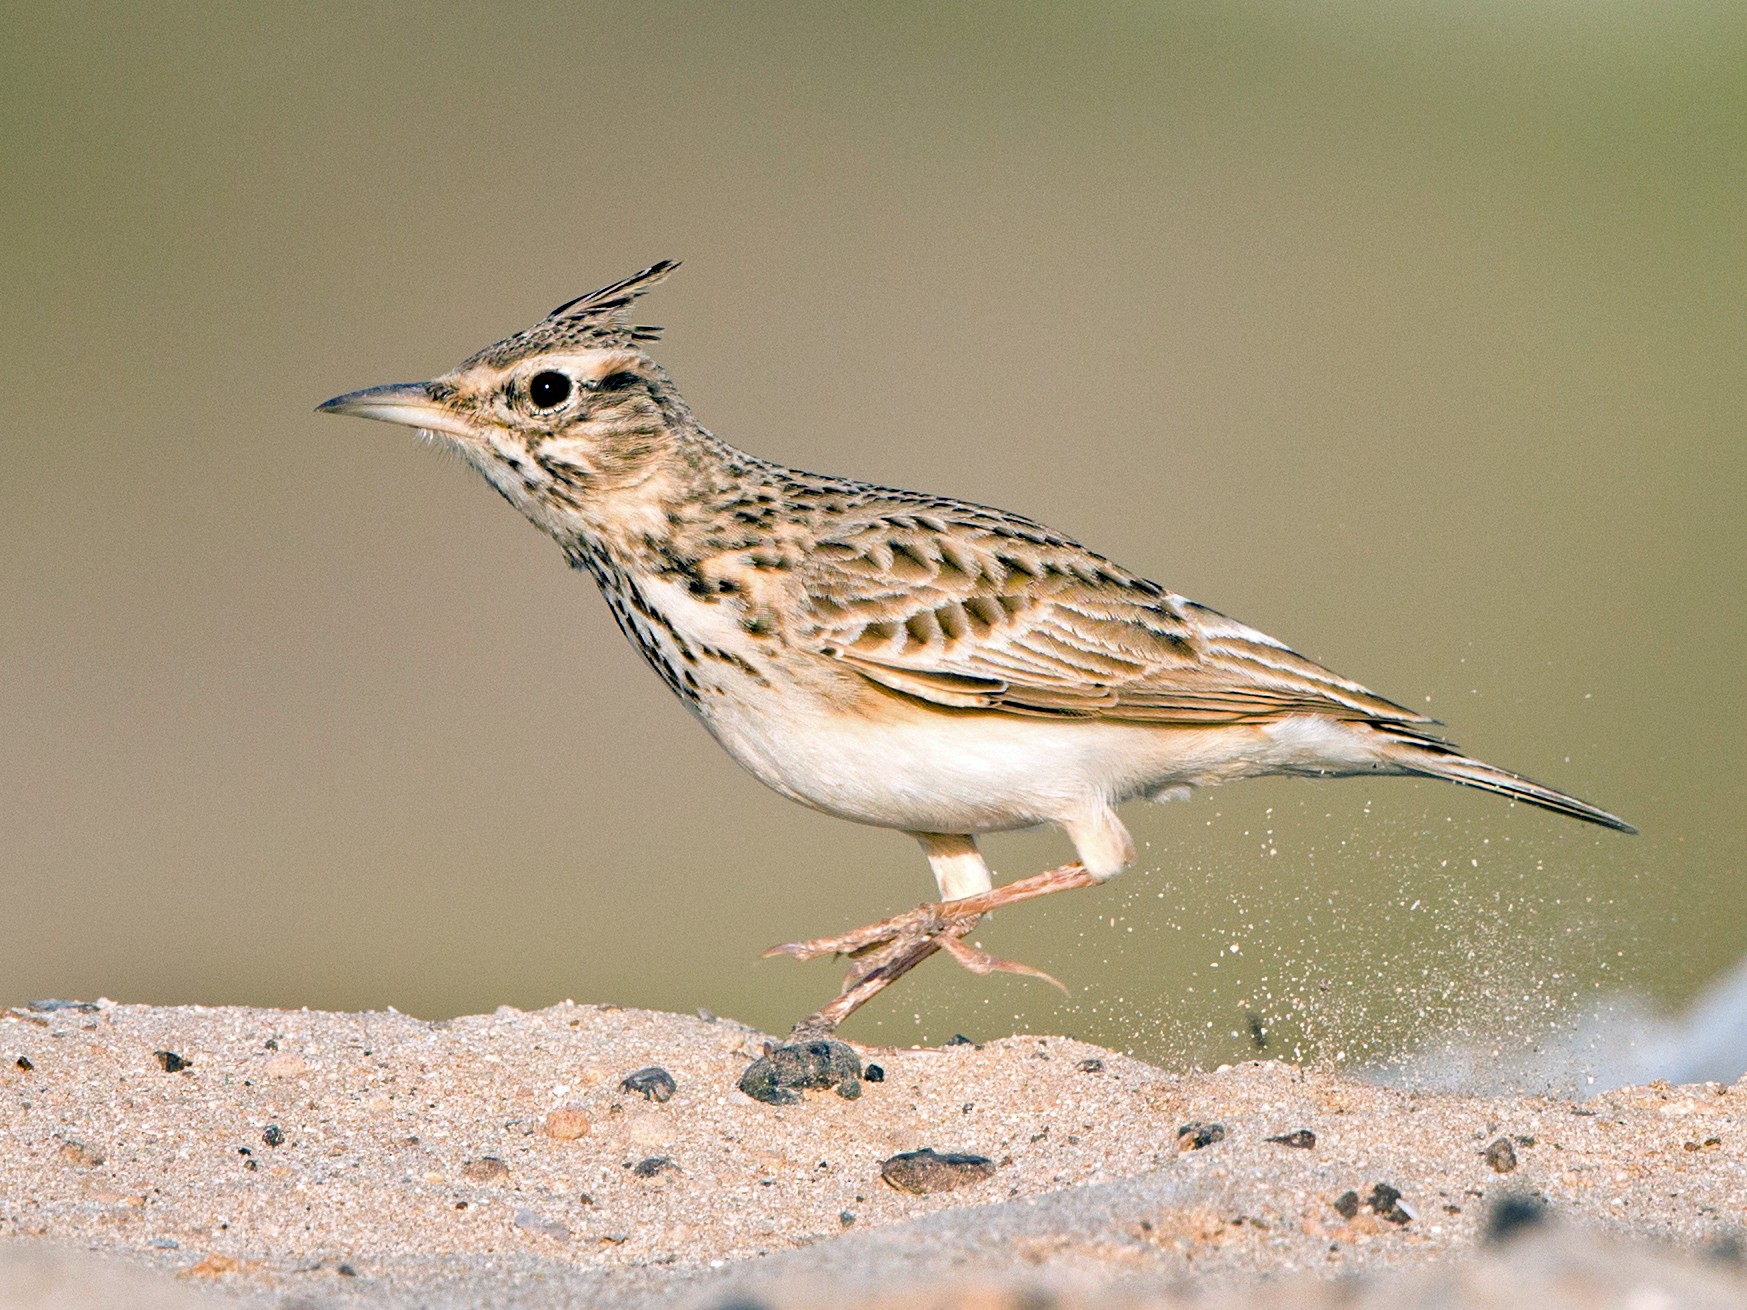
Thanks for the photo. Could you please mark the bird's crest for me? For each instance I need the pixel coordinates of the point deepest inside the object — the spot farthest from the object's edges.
(606, 307)
(596, 320)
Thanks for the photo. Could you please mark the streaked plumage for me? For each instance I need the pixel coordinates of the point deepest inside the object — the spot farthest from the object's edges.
(906, 660)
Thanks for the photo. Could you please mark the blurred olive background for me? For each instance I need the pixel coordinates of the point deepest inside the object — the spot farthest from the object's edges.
(1412, 334)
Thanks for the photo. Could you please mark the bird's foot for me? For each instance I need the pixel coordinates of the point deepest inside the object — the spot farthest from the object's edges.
(885, 951)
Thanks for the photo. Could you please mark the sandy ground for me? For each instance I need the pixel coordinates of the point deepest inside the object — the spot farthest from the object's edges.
(194, 1156)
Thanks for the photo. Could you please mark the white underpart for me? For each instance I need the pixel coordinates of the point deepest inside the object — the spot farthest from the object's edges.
(926, 772)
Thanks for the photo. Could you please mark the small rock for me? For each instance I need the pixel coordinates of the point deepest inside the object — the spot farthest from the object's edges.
(654, 1167)
(811, 1065)
(1500, 1157)
(652, 1083)
(1302, 1139)
(1092, 1064)
(566, 1124)
(845, 1218)
(273, 1135)
(54, 1007)
(959, 1039)
(849, 1089)
(1385, 1202)
(927, 1171)
(78, 1155)
(1512, 1215)
(873, 1074)
(1193, 1136)
(486, 1169)
(532, 1221)
(23, 1064)
(170, 1062)
(1347, 1205)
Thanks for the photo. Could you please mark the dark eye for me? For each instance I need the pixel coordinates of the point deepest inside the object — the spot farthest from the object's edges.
(548, 390)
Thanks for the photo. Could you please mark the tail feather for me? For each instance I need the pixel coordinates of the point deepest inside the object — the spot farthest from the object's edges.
(1435, 760)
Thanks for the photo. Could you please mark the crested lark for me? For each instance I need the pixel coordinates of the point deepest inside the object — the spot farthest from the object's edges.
(905, 660)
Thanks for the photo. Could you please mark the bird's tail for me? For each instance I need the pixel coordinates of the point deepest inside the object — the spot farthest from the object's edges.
(1434, 759)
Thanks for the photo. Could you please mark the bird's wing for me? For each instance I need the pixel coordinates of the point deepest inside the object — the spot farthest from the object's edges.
(989, 611)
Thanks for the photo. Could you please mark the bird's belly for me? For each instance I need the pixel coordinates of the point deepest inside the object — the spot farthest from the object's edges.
(923, 770)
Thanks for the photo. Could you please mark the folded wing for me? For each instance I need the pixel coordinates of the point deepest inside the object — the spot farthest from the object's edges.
(989, 611)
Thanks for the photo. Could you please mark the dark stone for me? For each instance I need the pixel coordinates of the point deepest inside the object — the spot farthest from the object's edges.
(1194, 1136)
(24, 1064)
(1513, 1215)
(1500, 1157)
(55, 1007)
(1090, 1065)
(808, 1066)
(346, 1271)
(845, 1218)
(273, 1135)
(849, 1089)
(170, 1062)
(652, 1083)
(654, 1167)
(927, 1171)
(873, 1074)
(1302, 1139)
(959, 1039)
(1347, 1205)
(1385, 1203)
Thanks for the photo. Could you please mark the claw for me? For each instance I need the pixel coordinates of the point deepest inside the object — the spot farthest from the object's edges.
(983, 964)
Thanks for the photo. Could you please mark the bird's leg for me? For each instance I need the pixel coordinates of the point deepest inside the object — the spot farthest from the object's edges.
(885, 951)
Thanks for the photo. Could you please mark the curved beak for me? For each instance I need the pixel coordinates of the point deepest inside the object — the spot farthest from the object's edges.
(410, 404)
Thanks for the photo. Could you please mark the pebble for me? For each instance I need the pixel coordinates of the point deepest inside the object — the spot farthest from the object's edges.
(873, 1074)
(533, 1221)
(23, 1064)
(1513, 1215)
(654, 1167)
(1090, 1065)
(806, 1065)
(566, 1124)
(927, 1171)
(1194, 1135)
(486, 1169)
(53, 1006)
(1500, 1157)
(1385, 1202)
(653, 1083)
(273, 1135)
(1302, 1139)
(170, 1062)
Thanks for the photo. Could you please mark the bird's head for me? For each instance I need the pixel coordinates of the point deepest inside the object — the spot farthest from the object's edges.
(558, 417)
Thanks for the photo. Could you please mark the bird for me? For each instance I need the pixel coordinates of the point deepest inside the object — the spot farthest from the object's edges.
(896, 658)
